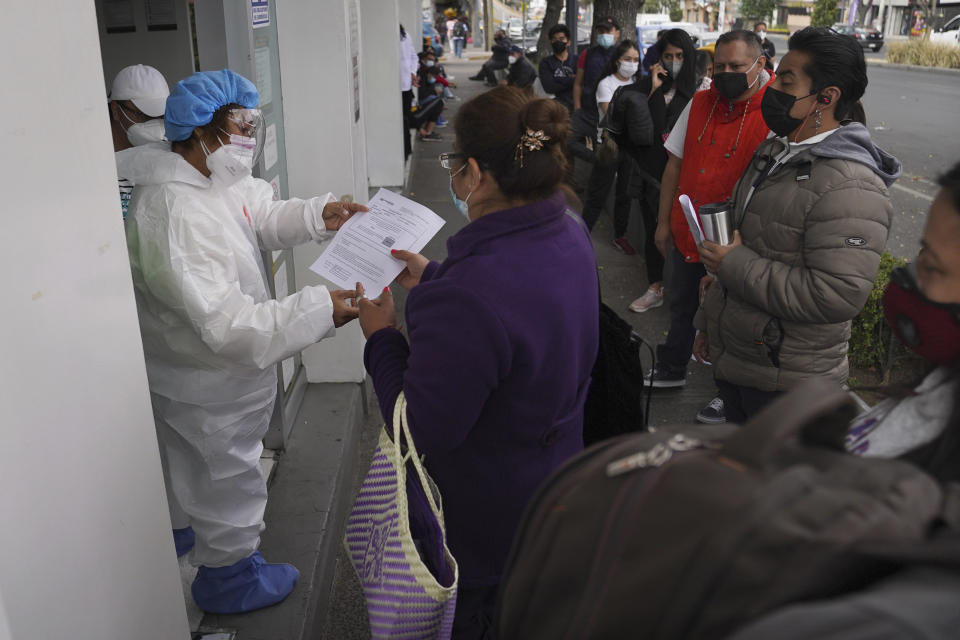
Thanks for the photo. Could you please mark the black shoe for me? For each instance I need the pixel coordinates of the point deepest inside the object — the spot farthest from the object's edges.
(664, 378)
(476, 77)
(712, 413)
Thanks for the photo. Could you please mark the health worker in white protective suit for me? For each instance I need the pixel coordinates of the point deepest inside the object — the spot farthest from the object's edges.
(211, 333)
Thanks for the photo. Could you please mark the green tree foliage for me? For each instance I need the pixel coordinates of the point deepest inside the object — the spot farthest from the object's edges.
(824, 13)
(871, 341)
(757, 9)
(676, 11)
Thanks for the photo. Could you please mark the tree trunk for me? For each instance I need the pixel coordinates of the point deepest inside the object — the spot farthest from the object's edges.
(623, 11)
(550, 19)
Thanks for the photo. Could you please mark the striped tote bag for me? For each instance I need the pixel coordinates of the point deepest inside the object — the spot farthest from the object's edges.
(396, 541)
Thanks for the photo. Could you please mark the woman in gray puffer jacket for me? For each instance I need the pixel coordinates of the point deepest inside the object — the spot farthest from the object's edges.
(813, 213)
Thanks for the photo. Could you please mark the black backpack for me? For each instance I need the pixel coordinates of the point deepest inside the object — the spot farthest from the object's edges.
(692, 532)
(459, 30)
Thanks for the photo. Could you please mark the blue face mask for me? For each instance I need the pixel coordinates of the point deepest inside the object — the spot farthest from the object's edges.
(461, 205)
(605, 40)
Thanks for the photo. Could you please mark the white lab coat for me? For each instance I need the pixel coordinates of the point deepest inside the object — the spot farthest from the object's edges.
(212, 335)
(409, 63)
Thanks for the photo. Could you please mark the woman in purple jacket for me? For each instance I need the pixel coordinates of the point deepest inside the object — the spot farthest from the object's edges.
(502, 336)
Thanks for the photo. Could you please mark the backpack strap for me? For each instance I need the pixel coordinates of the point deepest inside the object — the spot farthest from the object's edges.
(818, 411)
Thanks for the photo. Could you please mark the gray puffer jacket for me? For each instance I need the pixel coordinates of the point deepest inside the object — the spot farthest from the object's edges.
(813, 232)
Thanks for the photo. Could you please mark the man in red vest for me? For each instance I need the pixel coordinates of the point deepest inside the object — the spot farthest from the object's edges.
(708, 149)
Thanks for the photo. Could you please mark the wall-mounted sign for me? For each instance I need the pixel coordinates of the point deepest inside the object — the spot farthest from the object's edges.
(259, 13)
(118, 16)
(161, 15)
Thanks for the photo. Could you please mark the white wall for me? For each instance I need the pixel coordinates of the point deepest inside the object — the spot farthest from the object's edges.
(383, 107)
(86, 548)
(324, 146)
(171, 52)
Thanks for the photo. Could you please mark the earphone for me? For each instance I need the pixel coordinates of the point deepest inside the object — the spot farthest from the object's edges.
(823, 99)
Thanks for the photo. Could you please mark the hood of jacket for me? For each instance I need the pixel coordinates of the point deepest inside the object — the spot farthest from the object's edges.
(852, 142)
(155, 163)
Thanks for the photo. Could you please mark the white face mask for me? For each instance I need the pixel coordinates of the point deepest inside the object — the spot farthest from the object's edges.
(139, 133)
(428, 63)
(674, 67)
(629, 69)
(512, 59)
(146, 132)
(231, 163)
(762, 35)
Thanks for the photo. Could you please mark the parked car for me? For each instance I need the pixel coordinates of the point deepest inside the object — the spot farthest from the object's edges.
(868, 38)
(948, 34)
(431, 39)
(514, 29)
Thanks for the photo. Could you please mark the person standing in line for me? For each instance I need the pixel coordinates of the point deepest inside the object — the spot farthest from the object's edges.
(137, 100)
(516, 299)
(591, 69)
(654, 103)
(620, 72)
(459, 35)
(212, 335)
(708, 149)
(813, 212)
(557, 71)
(409, 64)
(769, 50)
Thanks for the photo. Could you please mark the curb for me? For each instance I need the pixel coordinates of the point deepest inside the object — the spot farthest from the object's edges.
(913, 67)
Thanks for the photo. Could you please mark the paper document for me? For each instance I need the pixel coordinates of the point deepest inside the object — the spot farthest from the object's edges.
(693, 221)
(360, 251)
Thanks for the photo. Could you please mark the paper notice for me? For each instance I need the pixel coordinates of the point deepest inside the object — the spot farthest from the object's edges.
(693, 221)
(360, 251)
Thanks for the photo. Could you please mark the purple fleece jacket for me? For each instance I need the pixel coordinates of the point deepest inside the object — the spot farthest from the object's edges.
(503, 336)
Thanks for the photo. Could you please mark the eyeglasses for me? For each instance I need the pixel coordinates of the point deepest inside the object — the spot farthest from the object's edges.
(446, 159)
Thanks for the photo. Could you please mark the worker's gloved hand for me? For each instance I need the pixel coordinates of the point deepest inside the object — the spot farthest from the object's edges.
(336, 213)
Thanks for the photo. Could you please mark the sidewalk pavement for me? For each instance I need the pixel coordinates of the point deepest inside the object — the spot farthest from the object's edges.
(622, 279)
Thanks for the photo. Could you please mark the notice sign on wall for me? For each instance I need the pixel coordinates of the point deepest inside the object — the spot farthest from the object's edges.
(260, 13)
(118, 16)
(161, 15)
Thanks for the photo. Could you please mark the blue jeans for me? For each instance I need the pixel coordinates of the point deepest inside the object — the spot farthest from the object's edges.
(458, 47)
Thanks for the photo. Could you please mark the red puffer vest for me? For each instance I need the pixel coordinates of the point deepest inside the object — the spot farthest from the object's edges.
(711, 165)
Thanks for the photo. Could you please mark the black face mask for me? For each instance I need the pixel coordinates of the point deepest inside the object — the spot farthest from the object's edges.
(731, 84)
(775, 108)
(558, 46)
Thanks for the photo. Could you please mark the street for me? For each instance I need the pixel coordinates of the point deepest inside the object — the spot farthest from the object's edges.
(912, 115)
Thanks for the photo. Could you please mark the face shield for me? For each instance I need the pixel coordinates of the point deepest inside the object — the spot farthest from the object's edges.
(245, 127)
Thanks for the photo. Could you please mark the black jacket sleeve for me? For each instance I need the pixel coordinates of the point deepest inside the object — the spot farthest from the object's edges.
(551, 83)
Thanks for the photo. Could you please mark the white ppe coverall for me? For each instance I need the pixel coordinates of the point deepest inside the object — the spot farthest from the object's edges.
(212, 335)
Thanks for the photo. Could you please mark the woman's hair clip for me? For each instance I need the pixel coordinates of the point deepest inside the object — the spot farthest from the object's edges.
(532, 141)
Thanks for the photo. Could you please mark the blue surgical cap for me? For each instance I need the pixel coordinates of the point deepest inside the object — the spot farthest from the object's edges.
(194, 100)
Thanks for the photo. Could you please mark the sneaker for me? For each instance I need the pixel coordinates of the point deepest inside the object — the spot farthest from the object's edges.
(433, 137)
(663, 378)
(712, 413)
(652, 299)
(477, 77)
(441, 122)
(624, 246)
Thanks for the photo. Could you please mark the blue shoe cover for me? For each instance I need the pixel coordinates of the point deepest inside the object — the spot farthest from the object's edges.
(183, 540)
(247, 585)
